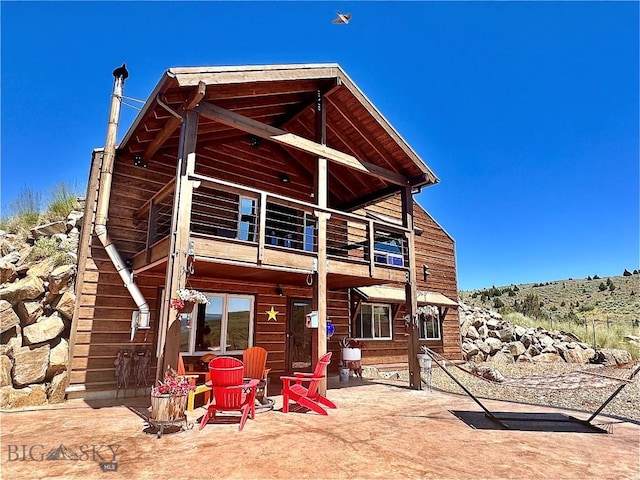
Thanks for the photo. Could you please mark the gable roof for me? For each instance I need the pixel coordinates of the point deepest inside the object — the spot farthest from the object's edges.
(282, 97)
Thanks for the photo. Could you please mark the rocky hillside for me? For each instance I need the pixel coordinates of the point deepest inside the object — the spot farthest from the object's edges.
(37, 278)
(487, 337)
(616, 298)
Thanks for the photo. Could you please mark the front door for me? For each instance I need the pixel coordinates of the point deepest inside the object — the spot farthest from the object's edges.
(299, 337)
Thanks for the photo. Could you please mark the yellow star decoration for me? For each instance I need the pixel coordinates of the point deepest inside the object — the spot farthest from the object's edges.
(272, 314)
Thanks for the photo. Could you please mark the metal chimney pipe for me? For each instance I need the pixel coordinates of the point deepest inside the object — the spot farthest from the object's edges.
(141, 318)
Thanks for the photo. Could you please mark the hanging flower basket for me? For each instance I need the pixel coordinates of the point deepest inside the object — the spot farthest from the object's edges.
(185, 299)
(187, 307)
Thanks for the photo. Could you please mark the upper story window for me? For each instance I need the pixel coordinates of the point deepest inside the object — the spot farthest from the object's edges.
(429, 322)
(225, 326)
(388, 249)
(247, 219)
(373, 321)
(290, 228)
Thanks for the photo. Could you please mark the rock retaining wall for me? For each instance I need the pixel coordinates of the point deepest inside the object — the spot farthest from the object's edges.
(36, 307)
(487, 337)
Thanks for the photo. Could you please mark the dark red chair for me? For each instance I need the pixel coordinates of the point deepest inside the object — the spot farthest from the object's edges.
(230, 392)
(307, 396)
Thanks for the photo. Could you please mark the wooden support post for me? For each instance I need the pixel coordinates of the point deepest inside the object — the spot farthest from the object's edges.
(169, 339)
(320, 291)
(411, 292)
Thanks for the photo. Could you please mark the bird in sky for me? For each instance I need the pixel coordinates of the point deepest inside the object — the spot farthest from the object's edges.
(342, 18)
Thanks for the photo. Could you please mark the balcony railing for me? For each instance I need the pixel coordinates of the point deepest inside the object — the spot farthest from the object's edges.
(244, 215)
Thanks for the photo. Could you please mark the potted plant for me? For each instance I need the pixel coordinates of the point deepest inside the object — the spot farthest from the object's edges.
(185, 299)
(351, 349)
(169, 397)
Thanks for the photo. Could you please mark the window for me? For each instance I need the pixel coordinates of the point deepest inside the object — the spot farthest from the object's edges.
(388, 250)
(373, 321)
(247, 219)
(225, 326)
(309, 233)
(290, 228)
(429, 323)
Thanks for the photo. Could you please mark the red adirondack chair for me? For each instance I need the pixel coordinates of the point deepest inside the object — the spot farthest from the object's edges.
(230, 392)
(307, 396)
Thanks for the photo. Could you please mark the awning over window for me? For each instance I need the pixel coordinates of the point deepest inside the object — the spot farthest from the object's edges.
(397, 295)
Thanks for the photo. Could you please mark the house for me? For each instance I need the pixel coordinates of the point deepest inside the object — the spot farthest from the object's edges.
(277, 191)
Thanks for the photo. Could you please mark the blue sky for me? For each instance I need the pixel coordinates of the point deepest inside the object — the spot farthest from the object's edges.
(526, 111)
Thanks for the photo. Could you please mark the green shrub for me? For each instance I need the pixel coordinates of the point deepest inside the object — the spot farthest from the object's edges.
(48, 247)
(602, 287)
(24, 212)
(63, 201)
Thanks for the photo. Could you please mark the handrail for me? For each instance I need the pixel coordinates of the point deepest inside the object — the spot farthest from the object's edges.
(164, 192)
(288, 200)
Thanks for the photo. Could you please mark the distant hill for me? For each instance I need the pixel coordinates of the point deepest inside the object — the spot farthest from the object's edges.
(616, 299)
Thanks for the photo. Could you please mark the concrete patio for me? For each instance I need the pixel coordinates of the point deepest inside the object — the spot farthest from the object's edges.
(380, 430)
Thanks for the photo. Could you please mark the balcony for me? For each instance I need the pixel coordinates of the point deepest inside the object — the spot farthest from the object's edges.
(253, 231)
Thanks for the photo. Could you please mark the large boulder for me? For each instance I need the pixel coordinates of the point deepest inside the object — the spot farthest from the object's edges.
(56, 390)
(5, 370)
(30, 365)
(494, 344)
(42, 269)
(469, 349)
(504, 334)
(612, 356)
(578, 355)
(516, 348)
(32, 395)
(501, 358)
(45, 329)
(548, 358)
(27, 288)
(49, 229)
(60, 277)
(10, 341)
(8, 317)
(7, 272)
(29, 312)
(74, 220)
(66, 304)
(472, 333)
(58, 358)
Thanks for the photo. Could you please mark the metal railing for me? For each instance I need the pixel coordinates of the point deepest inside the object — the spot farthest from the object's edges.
(228, 211)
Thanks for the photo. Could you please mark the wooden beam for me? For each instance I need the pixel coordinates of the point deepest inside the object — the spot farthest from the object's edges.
(320, 293)
(411, 293)
(169, 326)
(373, 197)
(283, 137)
(174, 122)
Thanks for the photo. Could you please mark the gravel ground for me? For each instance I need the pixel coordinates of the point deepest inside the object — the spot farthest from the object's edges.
(587, 398)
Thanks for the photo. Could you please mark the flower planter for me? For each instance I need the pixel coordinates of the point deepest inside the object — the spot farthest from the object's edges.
(188, 307)
(351, 354)
(168, 408)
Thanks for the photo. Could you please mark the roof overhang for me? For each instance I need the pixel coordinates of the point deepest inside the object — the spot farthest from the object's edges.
(380, 293)
(277, 102)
